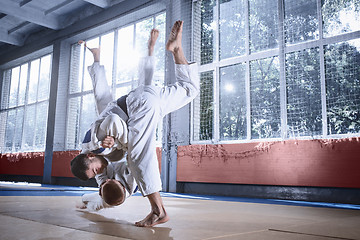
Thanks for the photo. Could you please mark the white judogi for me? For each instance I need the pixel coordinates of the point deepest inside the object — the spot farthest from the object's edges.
(110, 122)
(146, 106)
(115, 170)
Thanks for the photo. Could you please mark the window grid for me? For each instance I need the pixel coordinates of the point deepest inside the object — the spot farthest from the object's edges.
(22, 127)
(121, 76)
(286, 46)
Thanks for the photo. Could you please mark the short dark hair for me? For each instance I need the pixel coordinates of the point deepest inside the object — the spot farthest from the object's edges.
(112, 193)
(79, 165)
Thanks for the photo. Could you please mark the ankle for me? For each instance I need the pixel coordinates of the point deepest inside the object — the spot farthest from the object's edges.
(150, 50)
(157, 211)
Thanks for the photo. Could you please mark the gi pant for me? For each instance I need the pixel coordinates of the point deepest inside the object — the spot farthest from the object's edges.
(147, 105)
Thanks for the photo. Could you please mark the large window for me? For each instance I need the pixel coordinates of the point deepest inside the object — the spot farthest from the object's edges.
(24, 106)
(121, 52)
(276, 69)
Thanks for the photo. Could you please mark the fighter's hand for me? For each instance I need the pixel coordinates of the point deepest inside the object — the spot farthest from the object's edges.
(82, 205)
(108, 142)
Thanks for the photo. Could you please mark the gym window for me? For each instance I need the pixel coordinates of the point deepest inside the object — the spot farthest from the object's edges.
(121, 50)
(276, 69)
(24, 106)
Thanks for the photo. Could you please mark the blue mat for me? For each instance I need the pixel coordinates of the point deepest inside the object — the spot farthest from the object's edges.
(29, 189)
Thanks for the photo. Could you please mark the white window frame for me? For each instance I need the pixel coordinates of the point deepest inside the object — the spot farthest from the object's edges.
(5, 96)
(114, 85)
(280, 52)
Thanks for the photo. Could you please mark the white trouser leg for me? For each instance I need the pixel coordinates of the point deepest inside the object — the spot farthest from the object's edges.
(102, 91)
(183, 91)
(146, 106)
(144, 114)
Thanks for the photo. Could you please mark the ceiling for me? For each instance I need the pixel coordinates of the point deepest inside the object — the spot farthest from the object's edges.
(22, 21)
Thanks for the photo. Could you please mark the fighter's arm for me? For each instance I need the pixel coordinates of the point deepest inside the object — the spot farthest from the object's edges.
(115, 132)
(108, 142)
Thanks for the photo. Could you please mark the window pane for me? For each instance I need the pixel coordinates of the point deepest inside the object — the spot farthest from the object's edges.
(203, 108)
(107, 55)
(301, 21)
(10, 130)
(76, 68)
(18, 128)
(3, 118)
(88, 114)
(340, 16)
(208, 9)
(73, 119)
(15, 72)
(22, 84)
(5, 89)
(33, 82)
(89, 59)
(41, 125)
(159, 51)
(263, 24)
(232, 28)
(232, 102)
(342, 64)
(303, 93)
(142, 34)
(265, 98)
(126, 56)
(44, 81)
(29, 127)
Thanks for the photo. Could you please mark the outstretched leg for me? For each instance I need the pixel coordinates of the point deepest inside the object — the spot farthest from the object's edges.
(102, 90)
(174, 43)
(154, 34)
(146, 66)
(95, 51)
(158, 214)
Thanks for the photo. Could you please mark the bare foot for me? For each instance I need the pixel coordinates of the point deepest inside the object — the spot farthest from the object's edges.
(153, 219)
(154, 34)
(174, 42)
(95, 51)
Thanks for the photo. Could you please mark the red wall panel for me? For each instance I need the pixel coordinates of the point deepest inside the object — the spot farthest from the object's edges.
(61, 163)
(331, 163)
(33, 163)
(22, 163)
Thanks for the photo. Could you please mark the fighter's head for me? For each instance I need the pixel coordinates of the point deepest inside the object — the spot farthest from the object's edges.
(113, 192)
(86, 166)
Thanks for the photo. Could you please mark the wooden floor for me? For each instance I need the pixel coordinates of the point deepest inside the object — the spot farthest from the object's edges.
(26, 215)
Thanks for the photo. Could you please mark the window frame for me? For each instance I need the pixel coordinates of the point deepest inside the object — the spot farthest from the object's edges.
(281, 51)
(114, 84)
(5, 93)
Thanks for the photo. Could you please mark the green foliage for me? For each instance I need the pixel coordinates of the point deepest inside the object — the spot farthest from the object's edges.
(304, 104)
(343, 87)
(206, 106)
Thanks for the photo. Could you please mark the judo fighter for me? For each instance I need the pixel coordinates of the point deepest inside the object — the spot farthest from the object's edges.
(115, 133)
